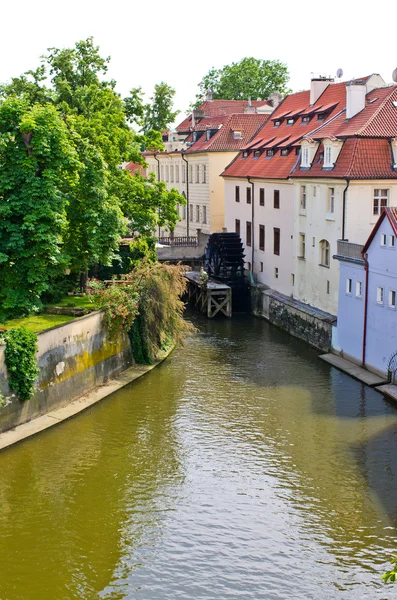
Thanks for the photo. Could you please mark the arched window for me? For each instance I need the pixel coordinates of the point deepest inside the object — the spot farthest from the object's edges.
(324, 253)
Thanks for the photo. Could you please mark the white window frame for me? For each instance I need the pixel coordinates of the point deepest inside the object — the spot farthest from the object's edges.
(328, 156)
(302, 245)
(204, 180)
(325, 252)
(177, 173)
(383, 239)
(392, 299)
(381, 200)
(331, 201)
(197, 213)
(392, 241)
(204, 215)
(379, 295)
(303, 201)
(349, 286)
(197, 173)
(359, 289)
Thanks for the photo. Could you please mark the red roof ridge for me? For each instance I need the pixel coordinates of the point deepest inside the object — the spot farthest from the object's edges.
(309, 135)
(361, 131)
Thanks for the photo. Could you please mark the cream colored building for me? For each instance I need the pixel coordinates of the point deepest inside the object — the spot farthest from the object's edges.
(203, 144)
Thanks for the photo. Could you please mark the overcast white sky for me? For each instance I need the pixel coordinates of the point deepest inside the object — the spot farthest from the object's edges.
(179, 41)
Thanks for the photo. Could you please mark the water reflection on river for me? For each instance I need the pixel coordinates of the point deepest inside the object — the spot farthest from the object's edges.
(243, 467)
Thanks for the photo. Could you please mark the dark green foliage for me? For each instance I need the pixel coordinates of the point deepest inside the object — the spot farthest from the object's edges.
(249, 78)
(139, 340)
(20, 359)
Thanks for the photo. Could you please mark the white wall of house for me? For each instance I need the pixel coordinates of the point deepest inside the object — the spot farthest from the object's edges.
(274, 270)
(361, 215)
(317, 221)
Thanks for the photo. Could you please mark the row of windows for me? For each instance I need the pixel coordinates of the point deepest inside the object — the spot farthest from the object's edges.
(276, 196)
(349, 288)
(380, 199)
(330, 199)
(197, 173)
(195, 213)
(383, 241)
(248, 235)
(380, 293)
(325, 250)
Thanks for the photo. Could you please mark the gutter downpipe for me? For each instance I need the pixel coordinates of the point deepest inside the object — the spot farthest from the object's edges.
(344, 208)
(187, 194)
(253, 224)
(158, 176)
(365, 257)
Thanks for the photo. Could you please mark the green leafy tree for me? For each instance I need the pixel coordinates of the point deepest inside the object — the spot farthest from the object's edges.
(159, 114)
(249, 78)
(38, 173)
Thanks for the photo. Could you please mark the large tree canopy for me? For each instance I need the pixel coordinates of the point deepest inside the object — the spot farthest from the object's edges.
(157, 115)
(64, 201)
(249, 78)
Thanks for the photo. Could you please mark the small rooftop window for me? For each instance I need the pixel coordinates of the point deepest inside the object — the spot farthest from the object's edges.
(277, 123)
(257, 153)
(245, 154)
(321, 117)
(269, 153)
(284, 152)
(290, 121)
(237, 135)
(305, 119)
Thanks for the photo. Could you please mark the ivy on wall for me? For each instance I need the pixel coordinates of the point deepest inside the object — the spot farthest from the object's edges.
(20, 359)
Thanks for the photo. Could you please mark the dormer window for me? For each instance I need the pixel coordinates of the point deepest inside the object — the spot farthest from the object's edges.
(305, 157)
(290, 121)
(257, 153)
(277, 123)
(245, 154)
(328, 156)
(237, 135)
(284, 152)
(305, 120)
(195, 136)
(321, 117)
(269, 153)
(208, 134)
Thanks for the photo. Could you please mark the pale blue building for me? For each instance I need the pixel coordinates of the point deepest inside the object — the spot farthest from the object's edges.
(367, 318)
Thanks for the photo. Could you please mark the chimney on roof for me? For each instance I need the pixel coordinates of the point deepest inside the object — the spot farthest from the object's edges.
(318, 85)
(355, 97)
(275, 99)
(209, 96)
(249, 109)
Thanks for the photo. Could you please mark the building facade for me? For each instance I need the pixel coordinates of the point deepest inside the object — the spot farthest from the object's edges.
(367, 318)
(208, 140)
(330, 153)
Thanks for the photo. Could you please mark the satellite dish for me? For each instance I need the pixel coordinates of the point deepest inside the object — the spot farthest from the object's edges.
(394, 76)
(339, 73)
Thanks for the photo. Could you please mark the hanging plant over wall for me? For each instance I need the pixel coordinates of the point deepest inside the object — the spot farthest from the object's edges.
(20, 359)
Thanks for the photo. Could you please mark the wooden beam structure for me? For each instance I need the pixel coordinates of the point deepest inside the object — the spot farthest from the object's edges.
(210, 298)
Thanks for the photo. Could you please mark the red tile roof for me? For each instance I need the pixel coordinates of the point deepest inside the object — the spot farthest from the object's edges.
(220, 108)
(223, 140)
(134, 168)
(361, 157)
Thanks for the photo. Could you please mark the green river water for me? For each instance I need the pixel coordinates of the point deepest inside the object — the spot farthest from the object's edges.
(241, 468)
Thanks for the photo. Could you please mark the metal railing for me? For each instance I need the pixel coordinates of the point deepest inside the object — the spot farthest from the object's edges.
(185, 240)
(349, 250)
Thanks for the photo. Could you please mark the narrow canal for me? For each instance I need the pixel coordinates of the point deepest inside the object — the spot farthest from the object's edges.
(243, 467)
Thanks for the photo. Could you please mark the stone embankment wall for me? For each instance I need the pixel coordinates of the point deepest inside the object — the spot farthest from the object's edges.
(300, 320)
(72, 358)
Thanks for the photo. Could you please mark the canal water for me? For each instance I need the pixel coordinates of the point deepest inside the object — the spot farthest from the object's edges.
(243, 467)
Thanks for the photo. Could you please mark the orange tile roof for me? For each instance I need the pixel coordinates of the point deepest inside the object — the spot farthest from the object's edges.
(134, 168)
(224, 140)
(362, 156)
(220, 108)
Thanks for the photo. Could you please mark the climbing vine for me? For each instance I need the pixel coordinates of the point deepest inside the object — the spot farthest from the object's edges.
(20, 359)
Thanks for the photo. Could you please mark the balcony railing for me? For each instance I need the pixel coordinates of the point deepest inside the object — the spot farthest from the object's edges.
(349, 250)
(185, 240)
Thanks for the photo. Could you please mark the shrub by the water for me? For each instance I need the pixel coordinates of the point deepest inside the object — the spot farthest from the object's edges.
(20, 359)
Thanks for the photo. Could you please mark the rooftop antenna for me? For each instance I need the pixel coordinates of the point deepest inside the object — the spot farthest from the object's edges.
(394, 76)
(339, 73)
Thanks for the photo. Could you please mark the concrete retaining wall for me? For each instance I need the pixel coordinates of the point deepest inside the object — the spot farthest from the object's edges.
(72, 358)
(300, 320)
